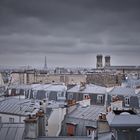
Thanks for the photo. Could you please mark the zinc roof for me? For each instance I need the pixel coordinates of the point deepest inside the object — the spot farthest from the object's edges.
(11, 131)
(17, 106)
(89, 88)
(123, 120)
(89, 113)
(123, 91)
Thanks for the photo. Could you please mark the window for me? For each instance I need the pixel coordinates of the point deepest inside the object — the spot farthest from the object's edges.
(62, 78)
(139, 101)
(70, 96)
(90, 131)
(34, 94)
(47, 94)
(0, 119)
(11, 120)
(60, 94)
(86, 96)
(31, 94)
(100, 99)
(17, 91)
(127, 101)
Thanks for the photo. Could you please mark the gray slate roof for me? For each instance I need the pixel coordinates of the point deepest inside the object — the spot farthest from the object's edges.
(11, 131)
(133, 83)
(17, 106)
(105, 136)
(65, 138)
(89, 88)
(88, 113)
(15, 131)
(123, 120)
(46, 87)
(123, 91)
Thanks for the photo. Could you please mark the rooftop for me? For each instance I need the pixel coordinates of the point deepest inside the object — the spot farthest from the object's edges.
(11, 131)
(65, 138)
(124, 119)
(89, 88)
(124, 67)
(50, 87)
(123, 91)
(89, 113)
(15, 131)
(17, 106)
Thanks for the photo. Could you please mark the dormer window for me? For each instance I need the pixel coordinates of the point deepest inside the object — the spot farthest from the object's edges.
(139, 101)
(100, 99)
(127, 101)
(11, 120)
(86, 96)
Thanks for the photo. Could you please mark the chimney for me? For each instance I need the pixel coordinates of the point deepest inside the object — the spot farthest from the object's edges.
(35, 125)
(82, 86)
(31, 127)
(102, 117)
(41, 123)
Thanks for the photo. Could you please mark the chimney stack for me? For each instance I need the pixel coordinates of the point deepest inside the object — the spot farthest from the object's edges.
(35, 125)
(41, 123)
(31, 127)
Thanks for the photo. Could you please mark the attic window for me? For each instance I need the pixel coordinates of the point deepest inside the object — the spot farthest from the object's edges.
(86, 96)
(127, 101)
(11, 120)
(90, 130)
(100, 99)
(0, 119)
(60, 94)
(139, 101)
(70, 97)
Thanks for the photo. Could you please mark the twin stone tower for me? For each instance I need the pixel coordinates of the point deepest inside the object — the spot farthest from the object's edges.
(99, 62)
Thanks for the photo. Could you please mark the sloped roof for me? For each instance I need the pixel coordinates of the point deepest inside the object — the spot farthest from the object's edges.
(105, 136)
(123, 91)
(88, 113)
(21, 86)
(17, 106)
(89, 88)
(123, 120)
(15, 131)
(11, 131)
(132, 83)
(49, 87)
(65, 138)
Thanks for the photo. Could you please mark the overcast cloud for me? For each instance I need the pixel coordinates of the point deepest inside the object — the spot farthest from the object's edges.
(69, 32)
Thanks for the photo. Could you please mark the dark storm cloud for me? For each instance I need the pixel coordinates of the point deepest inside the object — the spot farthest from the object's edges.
(69, 26)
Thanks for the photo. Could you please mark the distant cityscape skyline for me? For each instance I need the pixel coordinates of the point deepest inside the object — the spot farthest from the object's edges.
(42, 63)
(69, 33)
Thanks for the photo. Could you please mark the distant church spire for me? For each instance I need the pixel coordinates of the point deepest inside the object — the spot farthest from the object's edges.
(45, 64)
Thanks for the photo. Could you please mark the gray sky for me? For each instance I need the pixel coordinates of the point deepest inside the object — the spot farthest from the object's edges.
(69, 32)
